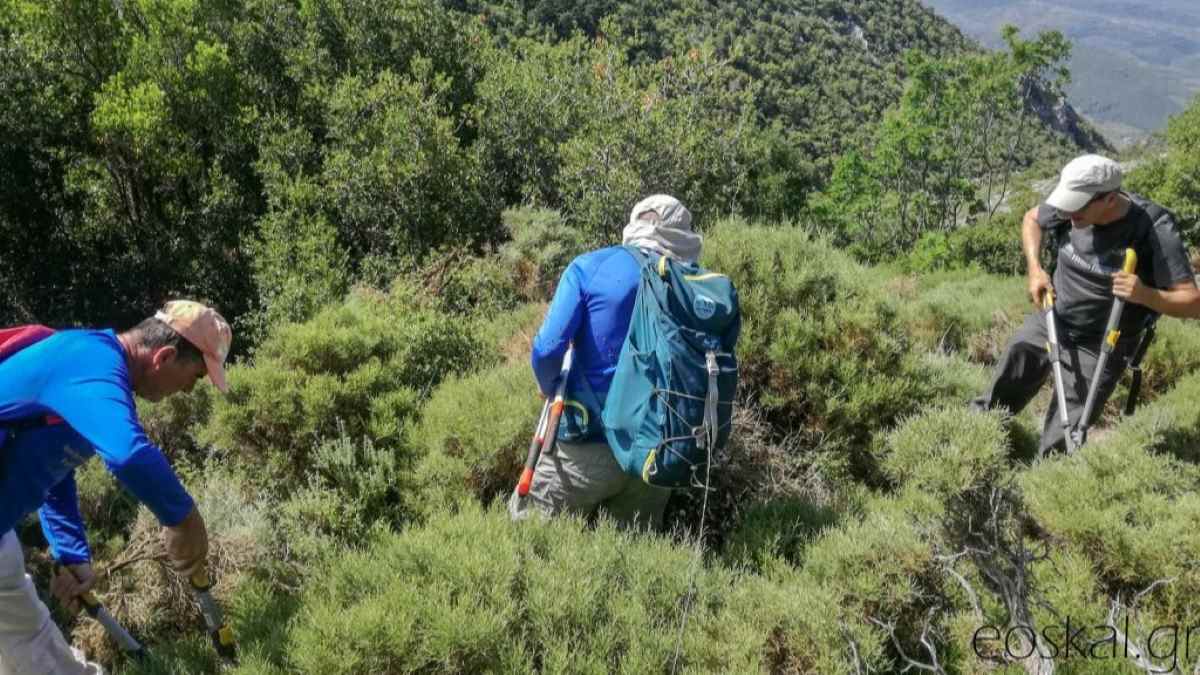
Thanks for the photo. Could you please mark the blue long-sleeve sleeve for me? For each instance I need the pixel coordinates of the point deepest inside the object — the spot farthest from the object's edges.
(62, 524)
(82, 377)
(101, 410)
(562, 320)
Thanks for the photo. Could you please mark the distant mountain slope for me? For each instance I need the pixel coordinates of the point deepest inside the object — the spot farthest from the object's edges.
(827, 70)
(1135, 62)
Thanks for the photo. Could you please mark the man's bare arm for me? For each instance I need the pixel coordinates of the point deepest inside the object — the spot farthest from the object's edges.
(1031, 244)
(1181, 300)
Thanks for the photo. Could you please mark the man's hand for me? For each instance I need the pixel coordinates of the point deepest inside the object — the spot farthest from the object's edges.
(187, 545)
(1039, 284)
(1129, 287)
(70, 582)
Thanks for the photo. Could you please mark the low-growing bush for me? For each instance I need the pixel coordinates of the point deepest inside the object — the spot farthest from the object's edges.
(543, 596)
(964, 312)
(153, 602)
(359, 370)
(1128, 502)
(993, 247)
(945, 453)
(776, 533)
(822, 349)
(465, 285)
(540, 247)
(472, 437)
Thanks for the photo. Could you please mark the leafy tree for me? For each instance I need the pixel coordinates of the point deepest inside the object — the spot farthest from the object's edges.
(948, 151)
(1173, 179)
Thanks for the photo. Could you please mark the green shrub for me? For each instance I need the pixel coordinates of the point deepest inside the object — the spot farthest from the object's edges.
(963, 311)
(945, 453)
(991, 247)
(540, 247)
(473, 286)
(173, 422)
(1174, 353)
(822, 348)
(880, 566)
(776, 532)
(550, 596)
(1139, 485)
(360, 370)
(472, 437)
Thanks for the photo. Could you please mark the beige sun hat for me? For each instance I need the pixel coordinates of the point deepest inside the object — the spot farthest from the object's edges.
(202, 326)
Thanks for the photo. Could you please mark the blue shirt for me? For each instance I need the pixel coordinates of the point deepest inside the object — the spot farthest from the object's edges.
(592, 307)
(80, 376)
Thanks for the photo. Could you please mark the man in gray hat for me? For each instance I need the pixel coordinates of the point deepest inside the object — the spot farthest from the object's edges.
(1091, 222)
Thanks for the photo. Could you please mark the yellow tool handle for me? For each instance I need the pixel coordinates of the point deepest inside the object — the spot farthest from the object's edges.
(1048, 299)
(1130, 261)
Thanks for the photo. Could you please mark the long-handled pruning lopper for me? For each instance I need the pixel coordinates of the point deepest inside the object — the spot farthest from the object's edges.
(220, 632)
(1111, 334)
(547, 427)
(1056, 363)
(95, 609)
(222, 635)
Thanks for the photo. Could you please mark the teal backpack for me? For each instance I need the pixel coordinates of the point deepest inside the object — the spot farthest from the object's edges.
(670, 404)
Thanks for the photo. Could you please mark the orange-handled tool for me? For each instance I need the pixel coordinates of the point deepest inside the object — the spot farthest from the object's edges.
(547, 428)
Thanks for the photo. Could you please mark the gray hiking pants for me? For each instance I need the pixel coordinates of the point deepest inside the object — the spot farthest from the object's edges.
(1025, 366)
(583, 478)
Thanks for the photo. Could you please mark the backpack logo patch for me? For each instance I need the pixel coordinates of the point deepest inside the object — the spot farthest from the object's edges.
(704, 307)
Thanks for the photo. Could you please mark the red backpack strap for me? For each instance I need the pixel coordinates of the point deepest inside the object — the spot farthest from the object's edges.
(13, 340)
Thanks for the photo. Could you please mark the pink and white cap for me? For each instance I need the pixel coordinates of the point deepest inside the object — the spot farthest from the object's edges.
(206, 329)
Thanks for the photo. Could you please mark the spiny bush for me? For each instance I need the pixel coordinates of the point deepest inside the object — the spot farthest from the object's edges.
(550, 596)
(879, 567)
(173, 422)
(947, 452)
(1139, 486)
(360, 369)
(992, 247)
(822, 347)
(540, 246)
(961, 311)
(352, 487)
(153, 602)
(1174, 353)
(776, 533)
(473, 286)
(472, 437)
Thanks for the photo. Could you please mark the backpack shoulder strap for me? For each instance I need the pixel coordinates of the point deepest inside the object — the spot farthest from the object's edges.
(13, 340)
(1141, 241)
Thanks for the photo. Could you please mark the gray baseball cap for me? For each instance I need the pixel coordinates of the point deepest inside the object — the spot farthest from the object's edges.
(1083, 178)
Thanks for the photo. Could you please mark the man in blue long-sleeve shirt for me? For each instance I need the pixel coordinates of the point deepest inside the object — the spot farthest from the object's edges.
(592, 308)
(64, 399)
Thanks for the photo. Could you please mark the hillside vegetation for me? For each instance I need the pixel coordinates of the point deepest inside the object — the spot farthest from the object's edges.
(385, 195)
(269, 156)
(352, 480)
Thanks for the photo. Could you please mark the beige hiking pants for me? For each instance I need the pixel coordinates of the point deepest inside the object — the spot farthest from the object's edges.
(582, 478)
(30, 643)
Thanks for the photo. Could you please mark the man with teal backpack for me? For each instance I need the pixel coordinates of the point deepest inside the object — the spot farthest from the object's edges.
(649, 395)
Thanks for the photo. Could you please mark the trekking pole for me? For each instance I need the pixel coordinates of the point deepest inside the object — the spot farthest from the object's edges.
(1111, 335)
(220, 632)
(95, 609)
(1056, 363)
(547, 429)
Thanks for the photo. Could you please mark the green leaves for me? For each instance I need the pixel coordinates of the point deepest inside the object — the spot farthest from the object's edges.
(948, 152)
